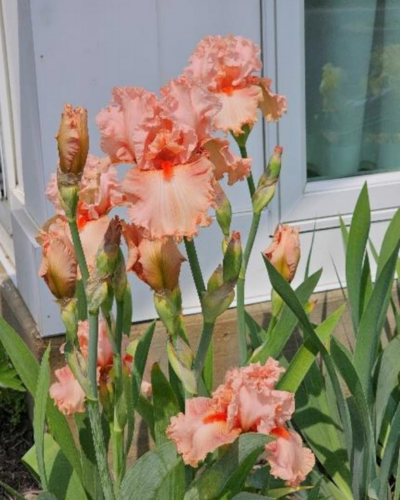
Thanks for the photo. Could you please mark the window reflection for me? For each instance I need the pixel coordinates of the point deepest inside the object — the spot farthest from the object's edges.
(352, 87)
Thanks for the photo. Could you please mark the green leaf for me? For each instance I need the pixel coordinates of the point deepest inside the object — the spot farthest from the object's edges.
(396, 495)
(139, 365)
(140, 360)
(165, 403)
(366, 284)
(229, 473)
(21, 357)
(389, 456)
(46, 496)
(283, 330)
(28, 369)
(39, 416)
(146, 411)
(127, 311)
(308, 263)
(63, 480)
(91, 477)
(282, 492)
(256, 332)
(360, 411)
(11, 491)
(320, 424)
(356, 246)
(371, 323)
(165, 406)
(305, 356)
(388, 379)
(390, 242)
(345, 233)
(250, 496)
(9, 379)
(61, 432)
(145, 478)
(283, 288)
(314, 495)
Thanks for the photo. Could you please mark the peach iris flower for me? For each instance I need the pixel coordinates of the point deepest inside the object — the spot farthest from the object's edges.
(59, 266)
(201, 429)
(156, 262)
(100, 190)
(288, 458)
(170, 188)
(67, 393)
(92, 234)
(253, 401)
(227, 67)
(246, 402)
(284, 251)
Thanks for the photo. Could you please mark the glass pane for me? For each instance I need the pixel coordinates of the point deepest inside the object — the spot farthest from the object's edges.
(352, 87)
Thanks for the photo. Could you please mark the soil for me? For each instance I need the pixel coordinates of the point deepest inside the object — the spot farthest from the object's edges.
(15, 441)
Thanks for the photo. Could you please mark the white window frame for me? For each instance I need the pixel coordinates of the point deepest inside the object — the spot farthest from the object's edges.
(12, 176)
(301, 202)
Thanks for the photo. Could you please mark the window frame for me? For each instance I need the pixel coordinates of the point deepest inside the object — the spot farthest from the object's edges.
(11, 174)
(318, 202)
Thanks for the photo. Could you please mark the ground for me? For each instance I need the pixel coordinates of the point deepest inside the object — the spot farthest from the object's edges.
(16, 437)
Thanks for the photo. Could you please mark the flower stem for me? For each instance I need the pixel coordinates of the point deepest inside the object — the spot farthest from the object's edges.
(100, 450)
(118, 427)
(93, 342)
(80, 255)
(204, 345)
(93, 405)
(250, 179)
(206, 335)
(255, 222)
(195, 267)
(94, 411)
(79, 250)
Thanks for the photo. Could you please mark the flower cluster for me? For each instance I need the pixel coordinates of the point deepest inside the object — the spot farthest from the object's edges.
(246, 402)
(176, 147)
(67, 393)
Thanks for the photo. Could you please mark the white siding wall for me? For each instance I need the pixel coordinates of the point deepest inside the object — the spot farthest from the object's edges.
(76, 52)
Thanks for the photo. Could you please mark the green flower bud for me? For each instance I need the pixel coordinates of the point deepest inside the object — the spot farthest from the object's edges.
(262, 197)
(216, 280)
(223, 211)
(233, 258)
(97, 293)
(69, 315)
(68, 194)
(216, 302)
(275, 163)
(109, 252)
(120, 279)
(180, 357)
(168, 305)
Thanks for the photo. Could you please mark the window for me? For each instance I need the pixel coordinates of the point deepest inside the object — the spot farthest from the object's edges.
(308, 41)
(352, 65)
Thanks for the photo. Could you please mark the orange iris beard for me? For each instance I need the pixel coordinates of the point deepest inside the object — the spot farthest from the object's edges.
(168, 169)
(215, 417)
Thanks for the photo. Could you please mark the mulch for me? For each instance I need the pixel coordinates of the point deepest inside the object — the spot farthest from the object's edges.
(15, 441)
